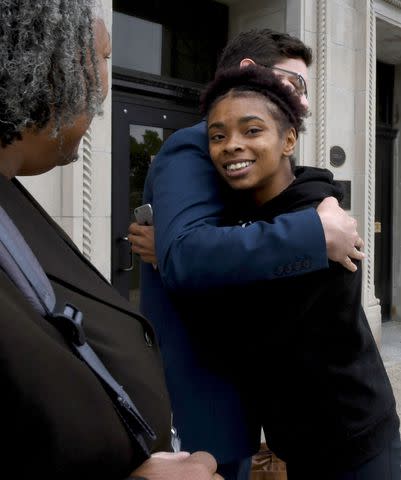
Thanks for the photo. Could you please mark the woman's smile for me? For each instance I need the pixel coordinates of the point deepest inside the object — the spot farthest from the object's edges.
(238, 168)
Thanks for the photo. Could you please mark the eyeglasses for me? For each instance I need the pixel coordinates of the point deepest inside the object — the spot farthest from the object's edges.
(295, 78)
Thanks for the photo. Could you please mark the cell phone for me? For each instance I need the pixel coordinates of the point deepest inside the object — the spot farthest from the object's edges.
(144, 214)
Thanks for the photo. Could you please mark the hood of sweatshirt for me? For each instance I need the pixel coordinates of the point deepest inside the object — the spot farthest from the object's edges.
(308, 189)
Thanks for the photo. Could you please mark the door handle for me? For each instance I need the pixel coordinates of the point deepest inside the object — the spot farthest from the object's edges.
(126, 266)
(378, 227)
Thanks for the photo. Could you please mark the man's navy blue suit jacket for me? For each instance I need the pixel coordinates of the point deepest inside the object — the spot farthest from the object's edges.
(196, 254)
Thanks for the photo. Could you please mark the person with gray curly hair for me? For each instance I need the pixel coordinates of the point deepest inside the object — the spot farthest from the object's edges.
(50, 48)
(60, 419)
(315, 334)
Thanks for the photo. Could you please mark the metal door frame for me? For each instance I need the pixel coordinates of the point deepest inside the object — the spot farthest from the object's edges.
(129, 109)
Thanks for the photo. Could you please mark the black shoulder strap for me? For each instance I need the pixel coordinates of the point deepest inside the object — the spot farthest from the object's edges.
(23, 268)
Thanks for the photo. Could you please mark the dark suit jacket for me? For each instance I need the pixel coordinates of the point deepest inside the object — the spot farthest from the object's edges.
(196, 254)
(57, 421)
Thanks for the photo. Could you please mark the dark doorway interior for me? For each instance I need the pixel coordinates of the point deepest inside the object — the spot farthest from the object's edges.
(385, 136)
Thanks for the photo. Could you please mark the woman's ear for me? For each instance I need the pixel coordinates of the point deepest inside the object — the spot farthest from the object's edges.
(245, 62)
(290, 141)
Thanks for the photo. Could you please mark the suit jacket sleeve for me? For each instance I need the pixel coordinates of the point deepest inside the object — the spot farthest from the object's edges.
(193, 251)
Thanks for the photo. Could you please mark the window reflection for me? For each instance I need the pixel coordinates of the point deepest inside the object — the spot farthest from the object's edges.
(145, 142)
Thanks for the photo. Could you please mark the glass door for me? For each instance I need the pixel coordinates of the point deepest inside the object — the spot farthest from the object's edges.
(140, 126)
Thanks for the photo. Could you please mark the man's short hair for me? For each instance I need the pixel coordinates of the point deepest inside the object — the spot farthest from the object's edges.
(265, 47)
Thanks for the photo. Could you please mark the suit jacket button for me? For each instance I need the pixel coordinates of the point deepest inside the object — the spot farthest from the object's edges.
(306, 263)
(279, 270)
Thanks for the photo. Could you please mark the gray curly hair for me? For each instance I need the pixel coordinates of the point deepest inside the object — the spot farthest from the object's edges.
(48, 66)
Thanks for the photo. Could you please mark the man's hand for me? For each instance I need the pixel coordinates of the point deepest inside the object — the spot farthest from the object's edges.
(179, 466)
(142, 239)
(342, 239)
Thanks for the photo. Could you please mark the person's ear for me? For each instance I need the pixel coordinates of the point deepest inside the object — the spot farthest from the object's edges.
(245, 62)
(290, 141)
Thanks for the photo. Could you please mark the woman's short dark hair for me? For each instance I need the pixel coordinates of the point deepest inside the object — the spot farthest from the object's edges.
(48, 64)
(256, 79)
(264, 47)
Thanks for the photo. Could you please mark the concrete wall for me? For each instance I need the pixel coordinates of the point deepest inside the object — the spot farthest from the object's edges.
(257, 14)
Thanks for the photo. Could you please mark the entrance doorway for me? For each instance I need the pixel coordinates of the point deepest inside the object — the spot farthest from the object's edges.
(385, 138)
(140, 126)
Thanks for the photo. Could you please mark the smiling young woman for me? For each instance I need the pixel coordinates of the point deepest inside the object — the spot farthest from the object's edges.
(313, 333)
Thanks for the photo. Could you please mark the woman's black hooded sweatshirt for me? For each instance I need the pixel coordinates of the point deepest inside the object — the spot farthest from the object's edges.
(305, 342)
